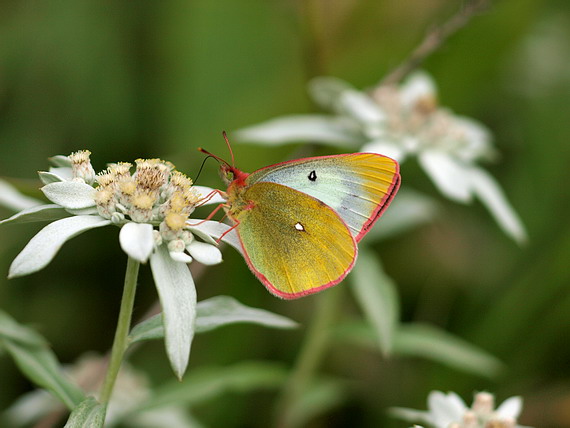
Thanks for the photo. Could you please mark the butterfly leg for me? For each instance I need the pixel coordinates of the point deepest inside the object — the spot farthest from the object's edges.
(210, 195)
(214, 211)
(226, 232)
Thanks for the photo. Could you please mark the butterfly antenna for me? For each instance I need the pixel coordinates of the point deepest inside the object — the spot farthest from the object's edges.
(202, 166)
(219, 159)
(229, 147)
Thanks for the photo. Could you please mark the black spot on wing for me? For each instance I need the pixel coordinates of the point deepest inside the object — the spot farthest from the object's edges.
(313, 175)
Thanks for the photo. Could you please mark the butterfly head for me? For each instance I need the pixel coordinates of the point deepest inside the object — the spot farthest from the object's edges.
(229, 173)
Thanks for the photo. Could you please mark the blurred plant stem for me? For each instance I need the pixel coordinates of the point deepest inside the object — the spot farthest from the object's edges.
(434, 39)
(122, 333)
(310, 356)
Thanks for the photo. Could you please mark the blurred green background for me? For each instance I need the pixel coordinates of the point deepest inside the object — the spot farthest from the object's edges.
(159, 79)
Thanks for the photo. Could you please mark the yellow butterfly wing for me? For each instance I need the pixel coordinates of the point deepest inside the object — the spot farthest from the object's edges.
(358, 186)
(294, 243)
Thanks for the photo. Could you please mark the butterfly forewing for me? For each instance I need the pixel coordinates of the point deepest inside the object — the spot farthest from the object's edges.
(294, 243)
(357, 186)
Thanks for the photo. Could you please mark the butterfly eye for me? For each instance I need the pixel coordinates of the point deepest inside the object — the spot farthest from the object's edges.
(226, 174)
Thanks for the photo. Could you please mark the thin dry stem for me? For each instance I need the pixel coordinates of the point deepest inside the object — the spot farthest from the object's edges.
(434, 39)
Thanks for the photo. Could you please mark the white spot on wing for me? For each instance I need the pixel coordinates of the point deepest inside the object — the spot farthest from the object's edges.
(299, 227)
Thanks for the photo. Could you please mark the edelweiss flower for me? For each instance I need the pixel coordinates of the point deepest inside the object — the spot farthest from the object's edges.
(400, 122)
(152, 207)
(449, 411)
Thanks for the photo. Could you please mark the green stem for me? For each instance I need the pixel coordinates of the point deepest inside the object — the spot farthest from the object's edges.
(310, 356)
(120, 343)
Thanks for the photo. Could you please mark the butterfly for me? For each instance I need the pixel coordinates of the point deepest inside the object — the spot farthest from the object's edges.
(299, 221)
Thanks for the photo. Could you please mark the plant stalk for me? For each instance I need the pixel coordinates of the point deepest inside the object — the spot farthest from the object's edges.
(120, 343)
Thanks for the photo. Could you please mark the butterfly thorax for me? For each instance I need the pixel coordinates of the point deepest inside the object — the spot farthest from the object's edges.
(237, 201)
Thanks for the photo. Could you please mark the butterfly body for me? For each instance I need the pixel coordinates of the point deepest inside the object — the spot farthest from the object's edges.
(299, 221)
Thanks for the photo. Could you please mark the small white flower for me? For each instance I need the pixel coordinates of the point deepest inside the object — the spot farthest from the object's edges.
(450, 411)
(152, 207)
(155, 195)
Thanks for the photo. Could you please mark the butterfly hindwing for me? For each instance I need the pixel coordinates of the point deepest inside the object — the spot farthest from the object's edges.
(294, 243)
(357, 186)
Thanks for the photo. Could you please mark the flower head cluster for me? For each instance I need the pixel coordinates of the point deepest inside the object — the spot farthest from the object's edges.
(400, 121)
(414, 121)
(151, 202)
(155, 194)
(450, 411)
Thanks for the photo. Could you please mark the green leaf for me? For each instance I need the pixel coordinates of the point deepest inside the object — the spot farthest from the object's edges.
(431, 343)
(223, 310)
(213, 313)
(149, 329)
(428, 342)
(88, 414)
(177, 295)
(437, 345)
(377, 296)
(40, 365)
(38, 213)
(11, 330)
(205, 383)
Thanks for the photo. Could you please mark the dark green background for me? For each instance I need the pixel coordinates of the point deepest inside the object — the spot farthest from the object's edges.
(159, 79)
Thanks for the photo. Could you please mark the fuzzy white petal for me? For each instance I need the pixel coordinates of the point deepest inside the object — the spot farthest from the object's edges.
(180, 257)
(11, 198)
(314, 128)
(511, 408)
(419, 85)
(178, 299)
(411, 414)
(137, 240)
(216, 229)
(37, 213)
(386, 148)
(360, 106)
(478, 139)
(61, 161)
(70, 194)
(204, 191)
(491, 194)
(326, 91)
(201, 234)
(449, 175)
(443, 410)
(43, 247)
(64, 173)
(206, 254)
(48, 177)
